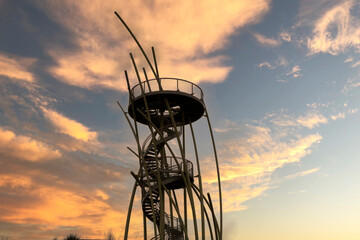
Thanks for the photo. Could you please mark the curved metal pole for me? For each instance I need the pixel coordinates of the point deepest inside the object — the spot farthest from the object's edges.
(214, 217)
(206, 214)
(187, 181)
(156, 66)
(141, 49)
(217, 170)
(136, 135)
(127, 225)
(159, 179)
(139, 45)
(138, 144)
(200, 182)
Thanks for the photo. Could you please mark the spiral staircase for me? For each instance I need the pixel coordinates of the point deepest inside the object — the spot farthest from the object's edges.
(171, 176)
(169, 104)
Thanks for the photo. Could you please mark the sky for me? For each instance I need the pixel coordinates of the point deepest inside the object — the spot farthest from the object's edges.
(281, 84)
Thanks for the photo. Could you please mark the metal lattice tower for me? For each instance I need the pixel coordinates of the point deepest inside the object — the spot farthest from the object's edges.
(168, 106)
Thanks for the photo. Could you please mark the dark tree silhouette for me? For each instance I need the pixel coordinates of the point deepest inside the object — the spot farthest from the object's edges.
(72, 237)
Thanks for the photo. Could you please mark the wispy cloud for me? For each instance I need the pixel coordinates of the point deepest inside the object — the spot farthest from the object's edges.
(250, 161)
(16, 67)
(266, 41)
(309, 120)
(350, 59)
(280, 62)
(295, 72)
(338, 116)
(355, 64)
(98, 55)
(285, 36)
(302, 173)
(69, 126)
(351, 84)
(265, 64)
(297, 192)
(227, 125)
(336, 30)
(25, 148)
(312, 120)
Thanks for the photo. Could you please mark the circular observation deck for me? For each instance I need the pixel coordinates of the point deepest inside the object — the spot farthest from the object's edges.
(185, 100)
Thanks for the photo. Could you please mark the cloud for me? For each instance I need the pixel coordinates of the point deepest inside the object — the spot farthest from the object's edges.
(338, 116)
(285, 36)
(265, 41)
(24, 147)
(53, 207)
(183, 40)
(302, 173)
(227, 126)
(16, 67)
(350, 59)
(69, 126)
(280, 62)
(311, 120)
(88, 70)
(295, 72)
(81, 192)
(259, 159)
(352, 111)
(248, 162)
(265, 64)
(351, 84)
(296, 192)
(335, 31)
(355, 64)
(342, 115)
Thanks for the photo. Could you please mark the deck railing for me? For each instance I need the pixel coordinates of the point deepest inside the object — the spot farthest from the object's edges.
(169, 85)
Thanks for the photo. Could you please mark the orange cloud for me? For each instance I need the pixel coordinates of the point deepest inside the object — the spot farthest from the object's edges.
(311, 120)
(54, 207)
(68, 126)
(88, 69)
(249, 162)
(259, 160)
(16, 67)
(14, 181)
(25, 147)
(184, 32)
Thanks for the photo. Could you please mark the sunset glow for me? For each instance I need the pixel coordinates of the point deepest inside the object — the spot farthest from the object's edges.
(281, 85)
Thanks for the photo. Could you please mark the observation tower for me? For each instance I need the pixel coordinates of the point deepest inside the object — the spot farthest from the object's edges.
(173, 202)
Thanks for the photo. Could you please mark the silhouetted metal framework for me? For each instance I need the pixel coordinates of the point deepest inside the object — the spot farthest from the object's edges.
(167, 106)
